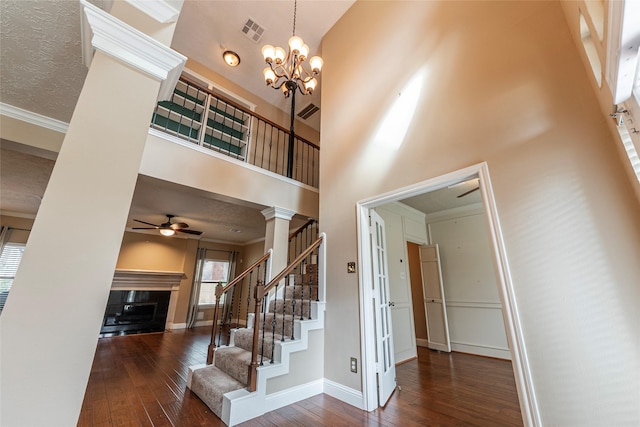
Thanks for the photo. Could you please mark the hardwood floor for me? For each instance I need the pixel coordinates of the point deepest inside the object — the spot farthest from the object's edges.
(140, 380)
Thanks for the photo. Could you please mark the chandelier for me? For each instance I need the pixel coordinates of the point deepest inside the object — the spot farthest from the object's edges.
(286, 70)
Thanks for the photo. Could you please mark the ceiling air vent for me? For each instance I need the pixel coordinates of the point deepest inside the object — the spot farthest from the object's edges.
(253, 30)
(308, 111)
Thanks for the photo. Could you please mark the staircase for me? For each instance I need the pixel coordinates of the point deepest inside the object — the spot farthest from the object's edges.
(235, 384)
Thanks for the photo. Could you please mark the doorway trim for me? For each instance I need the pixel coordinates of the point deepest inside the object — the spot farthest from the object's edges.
(521, 368)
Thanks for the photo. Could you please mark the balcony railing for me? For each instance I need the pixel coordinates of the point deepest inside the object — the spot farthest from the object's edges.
(202, 117)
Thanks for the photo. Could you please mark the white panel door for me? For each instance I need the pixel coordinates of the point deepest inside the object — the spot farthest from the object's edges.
(404, 336)
(434, 302)
(386, 366)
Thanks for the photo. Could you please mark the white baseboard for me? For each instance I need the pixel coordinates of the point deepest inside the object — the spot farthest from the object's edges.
(174, 326)
(421, 342)
(346, 394)
(499, 353)
(204, 323)
(294, 394)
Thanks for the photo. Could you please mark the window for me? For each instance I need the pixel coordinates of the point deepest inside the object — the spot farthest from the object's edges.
(9, 262)
(205, 119)
(213, 272)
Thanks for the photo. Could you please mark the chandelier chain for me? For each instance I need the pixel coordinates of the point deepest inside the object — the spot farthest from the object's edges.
(295, 9)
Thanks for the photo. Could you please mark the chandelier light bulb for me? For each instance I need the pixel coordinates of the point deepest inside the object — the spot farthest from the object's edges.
(295, 44)
(316, 64)
(268, 52)
(280, 55)
(304, 51)
(269, 75)
(310, 85)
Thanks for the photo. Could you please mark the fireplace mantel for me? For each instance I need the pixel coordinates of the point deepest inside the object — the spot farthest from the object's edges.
(146, 280)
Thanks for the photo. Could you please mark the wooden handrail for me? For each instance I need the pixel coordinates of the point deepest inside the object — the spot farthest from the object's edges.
(245, 109)
(288, 269)
(244, 274)
(220, 290)
(301, 229)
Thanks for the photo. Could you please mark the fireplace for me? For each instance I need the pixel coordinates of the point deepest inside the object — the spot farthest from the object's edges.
(135, 312)
(141, 301)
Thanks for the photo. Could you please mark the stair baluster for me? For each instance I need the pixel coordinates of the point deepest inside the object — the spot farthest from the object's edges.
(212, 344)
(253, 367)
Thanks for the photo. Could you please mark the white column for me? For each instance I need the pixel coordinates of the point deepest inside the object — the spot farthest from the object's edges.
(53, 315)
(277, 236)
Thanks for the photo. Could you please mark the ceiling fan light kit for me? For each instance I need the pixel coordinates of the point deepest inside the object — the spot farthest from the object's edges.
(168, 228)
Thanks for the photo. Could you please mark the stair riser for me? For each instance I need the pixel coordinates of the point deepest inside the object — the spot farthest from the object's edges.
(301, 292)
(300, 307)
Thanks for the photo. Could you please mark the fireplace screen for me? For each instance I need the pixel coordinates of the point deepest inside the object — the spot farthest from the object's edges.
(133, 312)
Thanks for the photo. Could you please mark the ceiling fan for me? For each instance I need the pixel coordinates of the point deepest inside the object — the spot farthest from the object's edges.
(168, 228)
(468, 192)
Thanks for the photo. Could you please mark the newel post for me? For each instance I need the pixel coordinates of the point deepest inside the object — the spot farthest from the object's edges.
(212, 344)
(253, 367)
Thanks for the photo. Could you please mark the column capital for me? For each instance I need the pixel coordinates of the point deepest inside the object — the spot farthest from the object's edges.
(101, 31)
(276, 212)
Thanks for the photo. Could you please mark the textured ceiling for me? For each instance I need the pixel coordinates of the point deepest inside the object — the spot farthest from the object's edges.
(41, 67)
(23, 179)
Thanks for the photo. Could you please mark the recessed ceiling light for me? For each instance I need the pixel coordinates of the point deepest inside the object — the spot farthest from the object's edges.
(231, 58)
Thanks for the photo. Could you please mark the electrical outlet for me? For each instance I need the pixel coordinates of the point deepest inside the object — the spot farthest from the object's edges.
(354, 365)
(200, 315)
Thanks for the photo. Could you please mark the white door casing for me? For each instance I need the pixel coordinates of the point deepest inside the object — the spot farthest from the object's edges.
(386, 366)
(434, 300)
(521, 366)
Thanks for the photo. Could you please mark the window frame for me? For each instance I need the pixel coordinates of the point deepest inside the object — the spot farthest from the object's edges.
(224, 283)
(10, 277)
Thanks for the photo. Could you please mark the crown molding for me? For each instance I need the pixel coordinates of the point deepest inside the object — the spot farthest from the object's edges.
(163, 11)
(33, 118)
(101, 31)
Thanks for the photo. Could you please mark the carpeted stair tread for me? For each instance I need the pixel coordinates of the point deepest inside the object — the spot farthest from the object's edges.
(301, 307)
(280, 319)
(210, 384)
(243, 338)
(301, 292)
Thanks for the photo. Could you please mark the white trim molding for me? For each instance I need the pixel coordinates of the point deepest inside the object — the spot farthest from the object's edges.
(33, 118)
(346, 394)
(103, 32)
(163, 11)
(622, 48)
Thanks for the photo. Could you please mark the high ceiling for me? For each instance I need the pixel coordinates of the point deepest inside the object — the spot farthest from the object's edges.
(41, 71)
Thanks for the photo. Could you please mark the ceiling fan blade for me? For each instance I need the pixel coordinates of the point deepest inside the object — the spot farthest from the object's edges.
(197, 233)
(468, 192)
(144, 228)
(144, 222)
(179, 225)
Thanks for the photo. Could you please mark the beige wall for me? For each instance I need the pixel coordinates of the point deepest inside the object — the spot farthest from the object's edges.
(176, 163)
(502, 83)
